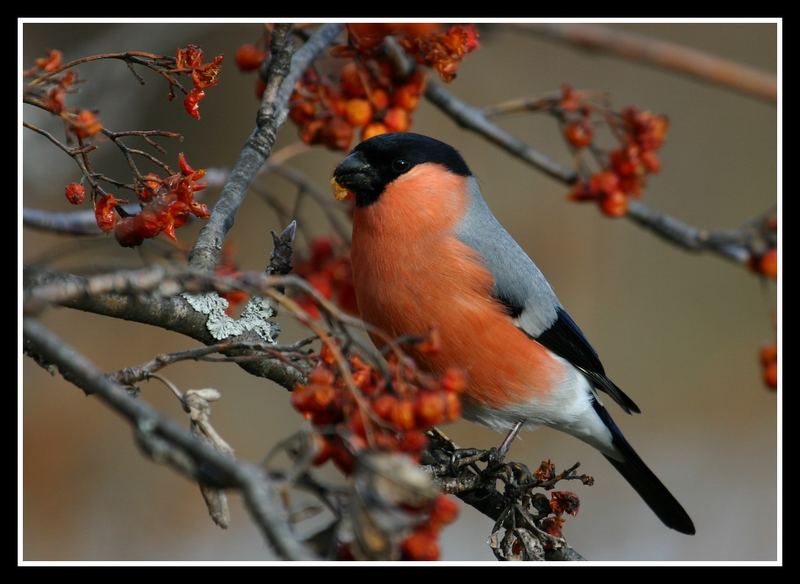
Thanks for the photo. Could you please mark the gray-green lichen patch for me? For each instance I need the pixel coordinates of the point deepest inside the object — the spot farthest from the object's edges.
(255, 316)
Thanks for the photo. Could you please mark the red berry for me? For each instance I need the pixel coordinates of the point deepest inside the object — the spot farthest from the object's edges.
(358, 112)
(651, 161)
(379, 99)
(768, 263)
(75, 193)
(384, 405)
(579, 134)
(453, 406)
(421, 545)
(373, 129)
(454, 380)
(249, 57)
(406, 97)
(430, 409)
(614, 204)
(604, 182)
(351, 82)
(771, 375)
(397, 120)
(337, 134)
(402, 415)
(445, 510)
(302, 112)
(768, 354)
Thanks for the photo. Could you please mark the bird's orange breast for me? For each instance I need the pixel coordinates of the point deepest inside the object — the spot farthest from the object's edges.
(411, 274)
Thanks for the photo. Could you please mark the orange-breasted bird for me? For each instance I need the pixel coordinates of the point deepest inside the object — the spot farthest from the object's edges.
(427, 252)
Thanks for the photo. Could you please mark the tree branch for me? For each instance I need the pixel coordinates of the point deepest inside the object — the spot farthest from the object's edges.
(274, 110)
(168, 312)
(738, 245)
(165, 441)
(670, 56)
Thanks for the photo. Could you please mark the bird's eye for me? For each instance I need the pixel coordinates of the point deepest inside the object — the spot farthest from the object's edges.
(400, 165)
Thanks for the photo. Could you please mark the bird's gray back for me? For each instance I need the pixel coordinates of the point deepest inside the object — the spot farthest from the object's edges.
(518, 281)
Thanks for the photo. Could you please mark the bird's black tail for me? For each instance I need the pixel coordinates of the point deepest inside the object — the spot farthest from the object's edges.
(641, 478)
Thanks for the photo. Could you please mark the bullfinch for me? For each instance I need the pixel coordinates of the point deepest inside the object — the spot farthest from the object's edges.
(427, 252)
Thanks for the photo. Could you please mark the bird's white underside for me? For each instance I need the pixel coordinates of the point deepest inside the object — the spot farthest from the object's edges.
(568, 408)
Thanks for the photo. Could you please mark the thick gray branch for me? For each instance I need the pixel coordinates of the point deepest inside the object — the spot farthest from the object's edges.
(283, 74)
(168, 312)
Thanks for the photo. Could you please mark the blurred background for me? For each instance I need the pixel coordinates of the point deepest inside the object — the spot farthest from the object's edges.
(680, 333)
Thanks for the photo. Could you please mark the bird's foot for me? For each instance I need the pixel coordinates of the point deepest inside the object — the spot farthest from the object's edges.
(462, 457)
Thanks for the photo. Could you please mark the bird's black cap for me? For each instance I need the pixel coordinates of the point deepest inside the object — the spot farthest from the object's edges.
(376, 162)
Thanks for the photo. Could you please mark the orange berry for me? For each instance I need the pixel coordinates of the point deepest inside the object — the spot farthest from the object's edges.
(321, 375)
(614, 204)
(421, 545)
(768, 354)
(350, 81)
(337, 134)
(651, 161)
(379, 99)
(604, 182)
(430, 409)
(402, 415)
(454, 380)
(771, 375)
(373, 129)
(357, 363)
(358, 112)
(445, 510)
(413, 441)
(361, 378)
(384, 405)
(302, 112)
(249, 57)
(326, 354)
(312, 131)
(338, 105)
(768, 263)
(579, 134)
(453, 405)
(397, 120)
(406, 97)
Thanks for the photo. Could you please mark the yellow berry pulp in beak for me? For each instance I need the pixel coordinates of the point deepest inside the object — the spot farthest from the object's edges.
(339, 191)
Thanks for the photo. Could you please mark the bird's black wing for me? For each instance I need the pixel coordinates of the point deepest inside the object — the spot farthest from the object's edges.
(566, 340)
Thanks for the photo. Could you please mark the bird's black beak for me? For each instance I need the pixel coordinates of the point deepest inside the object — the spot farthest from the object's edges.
(355, 174)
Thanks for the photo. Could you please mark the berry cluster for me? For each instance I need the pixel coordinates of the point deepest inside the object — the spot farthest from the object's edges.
(330, 274)
(80, 123)
(365, 94)
(769, 362)
(167, 204)
(204, 76)
(382, 413)
(365, 98)
(639, 133)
